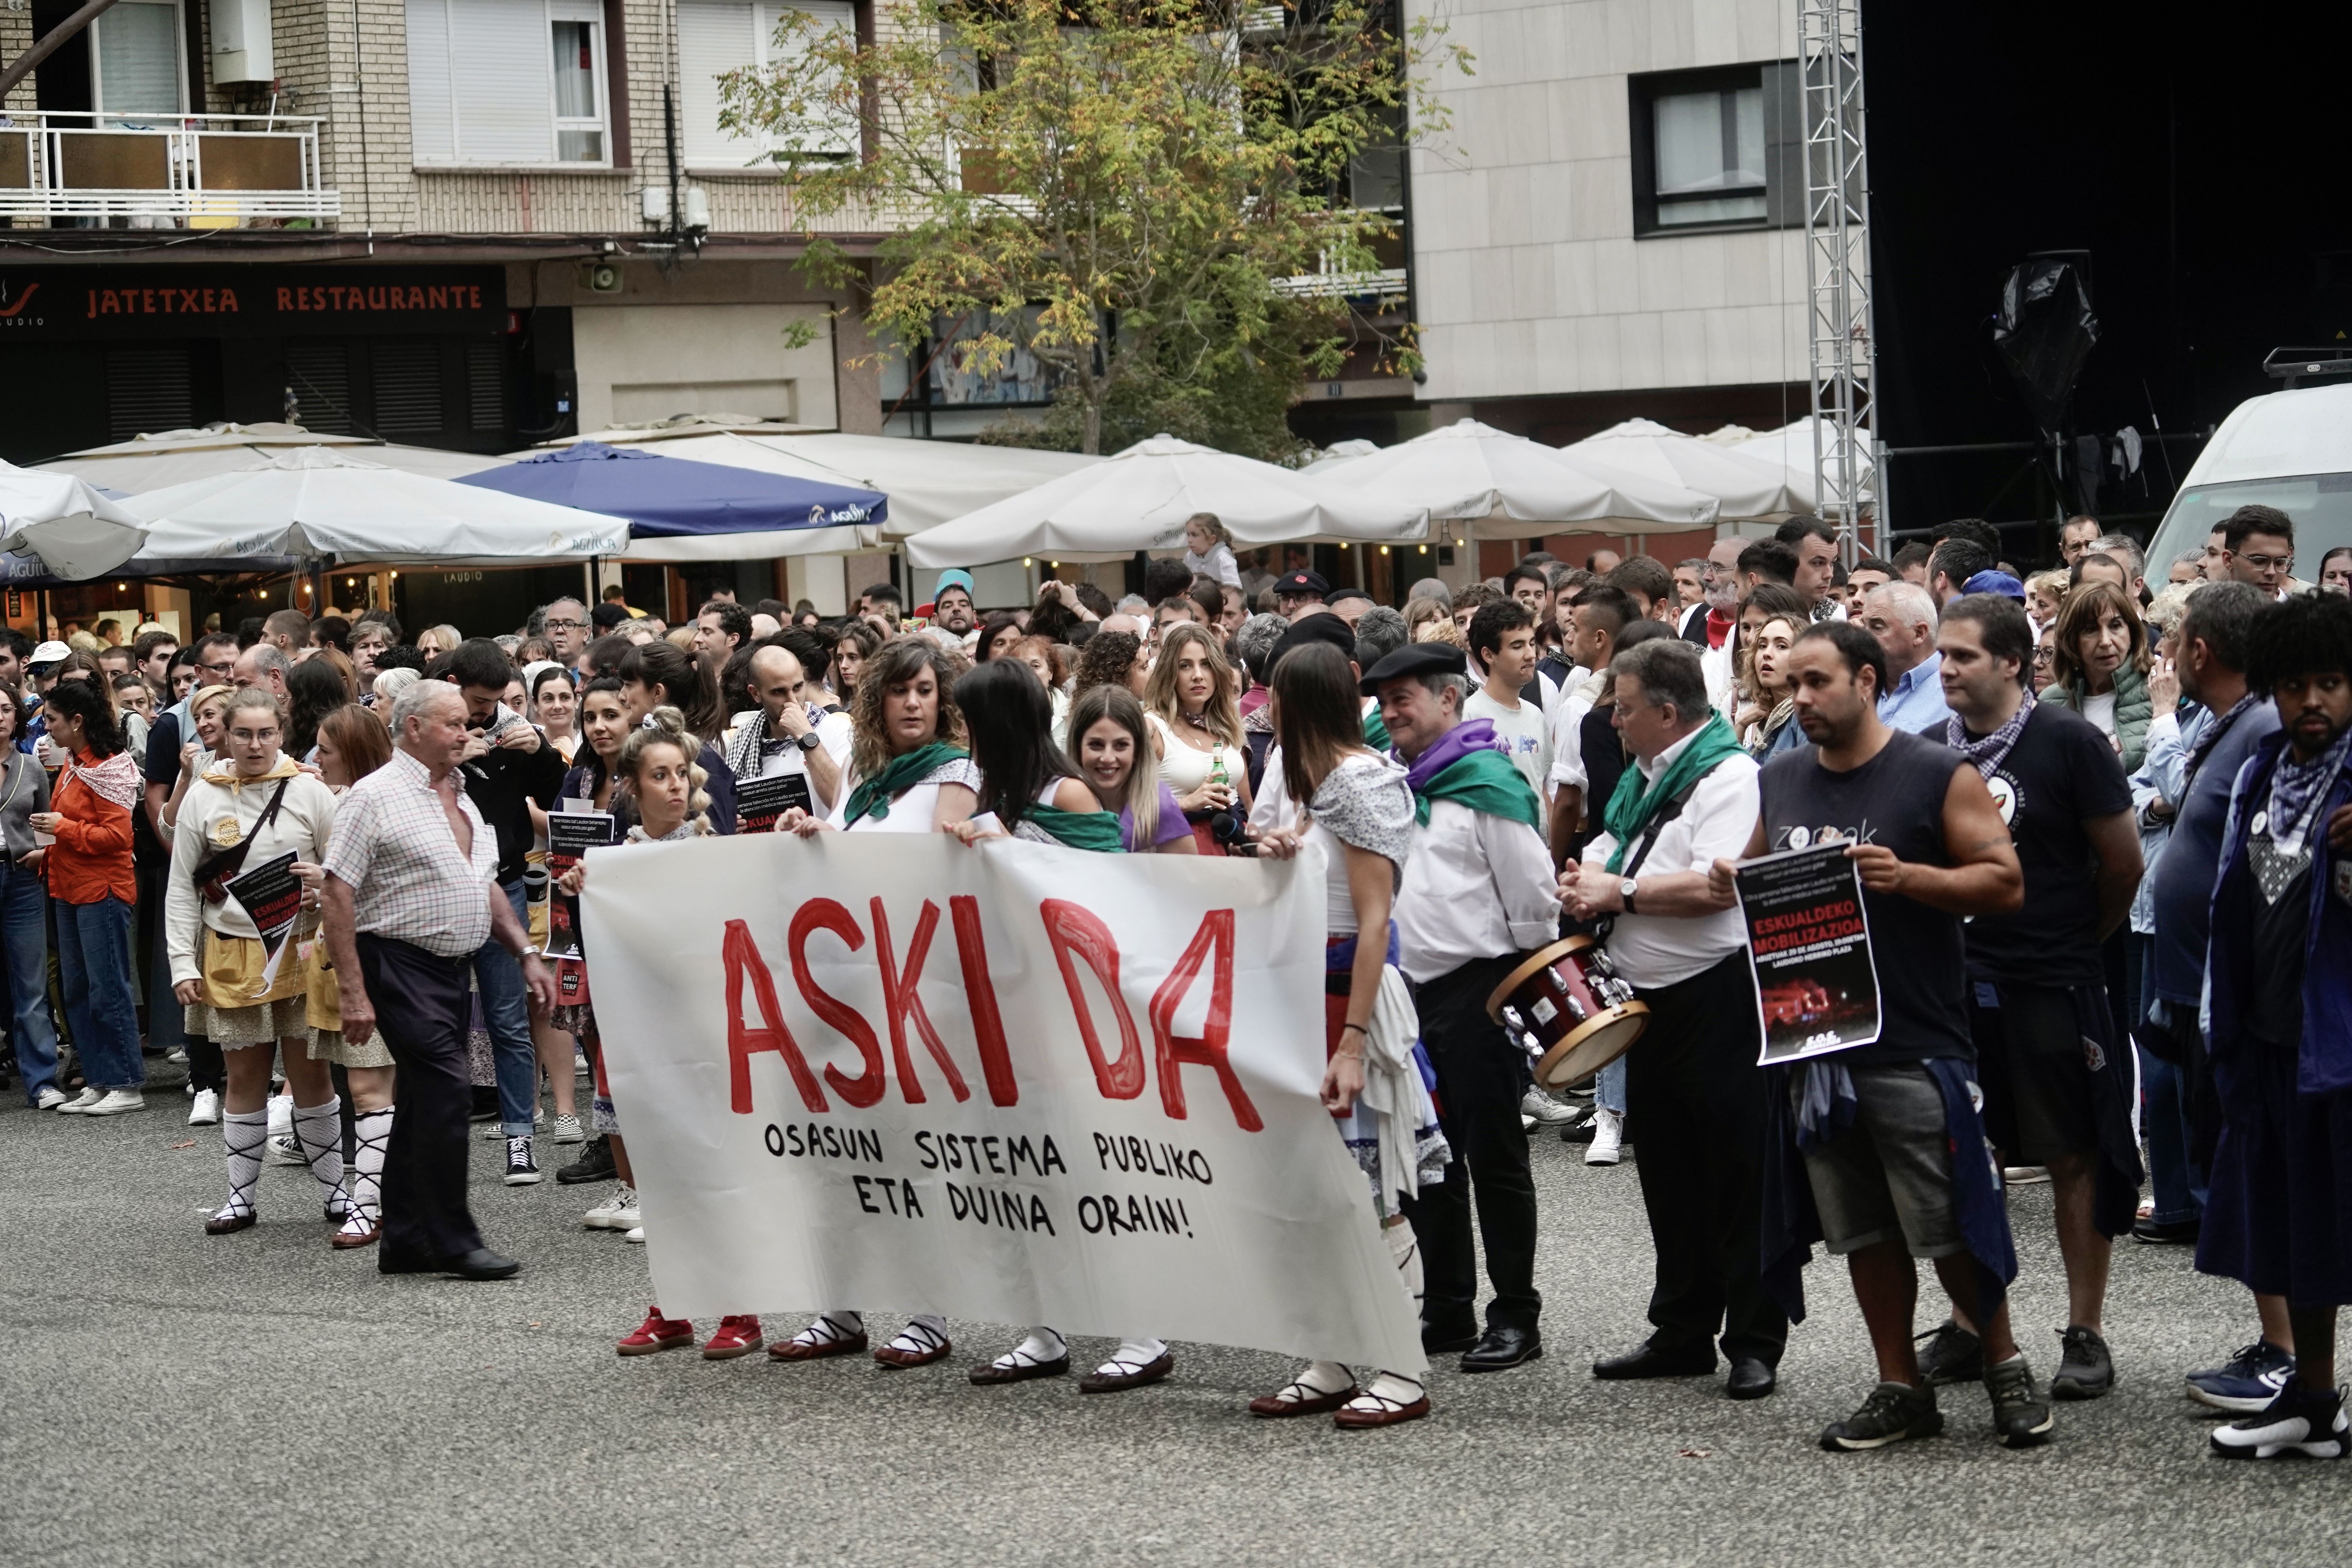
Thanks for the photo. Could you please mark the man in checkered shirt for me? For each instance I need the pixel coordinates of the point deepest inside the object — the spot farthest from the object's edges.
(408, 898)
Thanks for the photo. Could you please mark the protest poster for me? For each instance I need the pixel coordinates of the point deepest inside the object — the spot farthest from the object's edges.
(1809, 942)
(570, 836)
(760, 803)
(1014, 1082)
(271, 896)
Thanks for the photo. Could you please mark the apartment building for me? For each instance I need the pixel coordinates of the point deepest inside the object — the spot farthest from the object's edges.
(443, 221)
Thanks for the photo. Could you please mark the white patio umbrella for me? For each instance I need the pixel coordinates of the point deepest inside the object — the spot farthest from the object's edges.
(1507, 487)
(1340, 453)
(1741, 486)
(54, 525)
(1790, 450)
(1138, 500)
(313, 503)
(928, 482)
(176, 457)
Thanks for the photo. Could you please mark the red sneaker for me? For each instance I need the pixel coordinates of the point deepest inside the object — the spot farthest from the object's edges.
(736, 1336)
(657, 1333)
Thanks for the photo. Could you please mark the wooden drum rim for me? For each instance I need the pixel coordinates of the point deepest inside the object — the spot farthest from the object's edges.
(1542, 959)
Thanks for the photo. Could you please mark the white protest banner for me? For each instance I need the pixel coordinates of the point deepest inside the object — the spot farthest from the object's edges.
(1017, 1083)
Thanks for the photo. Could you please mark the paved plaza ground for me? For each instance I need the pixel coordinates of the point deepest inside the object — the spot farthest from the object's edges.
(167, 1398)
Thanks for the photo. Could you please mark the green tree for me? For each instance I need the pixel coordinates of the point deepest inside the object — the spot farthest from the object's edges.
(1117, 187)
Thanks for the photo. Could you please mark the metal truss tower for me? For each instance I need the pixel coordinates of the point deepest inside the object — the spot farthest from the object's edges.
(1843, 346)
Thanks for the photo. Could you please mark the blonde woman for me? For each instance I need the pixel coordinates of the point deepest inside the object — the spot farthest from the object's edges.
(251, 805)
(1196, 730)
(2045, 595)
(434, 641)
(1769, 620)
(204, 709)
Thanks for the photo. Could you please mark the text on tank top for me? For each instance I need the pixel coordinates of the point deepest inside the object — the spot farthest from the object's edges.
(1895, 800)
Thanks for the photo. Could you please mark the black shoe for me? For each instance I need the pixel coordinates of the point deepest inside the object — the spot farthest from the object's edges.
(2086, 1369)
(523, 1171)
(1953, 1355)
(2173, 1233)
(2301, 1421)
(1501, 1348)
(1648, 1360)
(1437, 1341)
(594, 1164)
(486, 1104)
(1750, 1378)
(1894, 1413)
(481, 1264)
(2020, 1419)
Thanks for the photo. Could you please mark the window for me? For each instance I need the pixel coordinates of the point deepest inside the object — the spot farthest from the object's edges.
(508, 81)
(136, 63)
(1717, 149)
(714, 37)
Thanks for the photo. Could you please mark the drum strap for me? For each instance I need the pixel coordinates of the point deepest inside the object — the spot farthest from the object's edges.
(1657, 825)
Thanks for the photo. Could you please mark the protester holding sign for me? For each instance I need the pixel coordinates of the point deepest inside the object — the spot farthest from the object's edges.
(1359, 816)
(1689, 800)
(1477, 893)
(245, 989)
(786, 737)
(1887, 1160)
(909, 774)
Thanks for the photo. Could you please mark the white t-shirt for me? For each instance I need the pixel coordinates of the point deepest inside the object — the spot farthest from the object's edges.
(1519, 734)
(2101, 710)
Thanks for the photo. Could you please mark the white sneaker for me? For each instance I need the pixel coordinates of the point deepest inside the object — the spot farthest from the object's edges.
(116, 1102)
(205, 1110)
(81, 1102)
(51, 1098)
(2024, 1176)
(281, 1116)
(567, 1131)
(177, 1054)
(635, 1235)
(285, 1149)
(618, 1211)
(1608, 1139)
(1538, 1108)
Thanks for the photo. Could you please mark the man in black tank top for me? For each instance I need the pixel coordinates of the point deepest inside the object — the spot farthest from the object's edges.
(1877, 1124)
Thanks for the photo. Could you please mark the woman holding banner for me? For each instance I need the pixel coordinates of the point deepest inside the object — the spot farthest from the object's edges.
(1361, 815)
(1030, 787)
(909, 772)
(248, 994)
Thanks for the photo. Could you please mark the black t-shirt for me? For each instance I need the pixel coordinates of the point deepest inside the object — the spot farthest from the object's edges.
(2061, 773)
(1895, 800)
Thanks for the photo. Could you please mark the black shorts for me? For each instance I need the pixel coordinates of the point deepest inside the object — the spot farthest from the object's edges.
(2035, 1067)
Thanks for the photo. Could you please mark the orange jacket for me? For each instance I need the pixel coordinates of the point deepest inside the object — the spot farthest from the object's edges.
(92, 855)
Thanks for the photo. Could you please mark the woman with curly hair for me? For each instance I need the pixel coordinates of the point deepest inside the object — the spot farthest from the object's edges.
(1112, 658)
(909, 772)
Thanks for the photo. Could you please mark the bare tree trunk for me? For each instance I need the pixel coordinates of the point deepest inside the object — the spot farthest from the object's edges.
(1090, 442)
(22, 65)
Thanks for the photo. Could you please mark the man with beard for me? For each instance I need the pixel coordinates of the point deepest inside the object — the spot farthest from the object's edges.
(952, 608)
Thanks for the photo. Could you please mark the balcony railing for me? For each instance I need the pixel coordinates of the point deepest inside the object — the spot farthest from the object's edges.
(177, 171)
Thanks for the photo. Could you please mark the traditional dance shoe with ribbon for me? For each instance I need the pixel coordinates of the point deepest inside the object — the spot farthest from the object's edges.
(825, 1337)
(1319, 1386)
(1041, 1354)
(1388, 1401)
(923, 1340)
(1132, 1365)
(231, 1220)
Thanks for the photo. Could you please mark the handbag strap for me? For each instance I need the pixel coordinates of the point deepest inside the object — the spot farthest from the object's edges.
(218, 869)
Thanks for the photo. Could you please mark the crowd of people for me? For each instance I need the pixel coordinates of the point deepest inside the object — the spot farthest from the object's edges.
(2096, 820)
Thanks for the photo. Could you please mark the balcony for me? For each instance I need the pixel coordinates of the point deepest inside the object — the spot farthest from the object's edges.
(180, 170)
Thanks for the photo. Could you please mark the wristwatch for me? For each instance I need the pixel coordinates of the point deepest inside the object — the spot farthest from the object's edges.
(807, 741)
(1625, 894)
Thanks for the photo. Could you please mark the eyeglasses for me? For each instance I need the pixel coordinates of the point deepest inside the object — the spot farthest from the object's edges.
(2269, 563)
(566, 626)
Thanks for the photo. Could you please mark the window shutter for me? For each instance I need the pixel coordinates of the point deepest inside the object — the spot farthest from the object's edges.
(713, 37)
(148, 389)
(432, 127)
(318, 373)
(499, 71)
(407, 387)
(833, 15)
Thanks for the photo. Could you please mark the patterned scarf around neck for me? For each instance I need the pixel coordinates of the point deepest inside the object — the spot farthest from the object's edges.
(2211, 736)
(1989, 752)
(2298, 790)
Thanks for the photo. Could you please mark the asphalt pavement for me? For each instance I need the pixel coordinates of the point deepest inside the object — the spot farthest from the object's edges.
(168, 1397)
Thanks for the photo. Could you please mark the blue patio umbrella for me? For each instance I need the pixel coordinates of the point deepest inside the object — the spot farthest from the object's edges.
(674, 498)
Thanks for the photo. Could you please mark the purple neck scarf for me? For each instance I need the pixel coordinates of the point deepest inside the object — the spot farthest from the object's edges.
(1472, 735)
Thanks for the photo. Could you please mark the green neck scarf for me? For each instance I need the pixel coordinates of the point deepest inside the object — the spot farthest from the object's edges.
(872, 796)
(1633, 804)
(1095, 830)
(1483, 780)
(1376, 732)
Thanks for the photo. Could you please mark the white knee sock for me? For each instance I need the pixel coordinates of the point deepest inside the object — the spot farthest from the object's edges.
(930, 1321)
(1134, 1352)
(1394, 1386)
(373, 1132)
(320, 1130)
(1404, 1249)
(243, 1135)
(1042, 1345)
(1326, 1376)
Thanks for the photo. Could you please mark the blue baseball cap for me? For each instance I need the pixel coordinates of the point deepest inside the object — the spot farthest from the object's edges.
(1991, 582)
(953, 577)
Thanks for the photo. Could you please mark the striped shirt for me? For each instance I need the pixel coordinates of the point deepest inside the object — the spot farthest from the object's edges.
(394, 847)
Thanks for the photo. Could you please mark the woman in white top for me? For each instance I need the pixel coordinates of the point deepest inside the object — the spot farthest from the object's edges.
(1362, 815)
(1196, 729)
(247, 809)
(909, 772)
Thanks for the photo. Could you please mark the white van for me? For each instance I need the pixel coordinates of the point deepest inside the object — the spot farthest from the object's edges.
(2292, 450)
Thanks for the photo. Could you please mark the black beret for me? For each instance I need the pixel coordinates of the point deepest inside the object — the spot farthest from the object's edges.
(1415, 660)
(1322, 626)
(1301, 582)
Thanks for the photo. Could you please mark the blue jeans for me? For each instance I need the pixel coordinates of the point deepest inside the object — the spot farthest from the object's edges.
(94, 968)
(506, 1008)
(2174, 1180)
(1608, 1086)
(24, 952)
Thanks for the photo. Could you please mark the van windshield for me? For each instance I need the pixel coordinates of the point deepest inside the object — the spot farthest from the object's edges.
(2320, 504)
